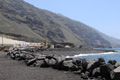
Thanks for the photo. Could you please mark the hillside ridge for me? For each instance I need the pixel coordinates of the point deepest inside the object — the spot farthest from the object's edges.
(28, 23)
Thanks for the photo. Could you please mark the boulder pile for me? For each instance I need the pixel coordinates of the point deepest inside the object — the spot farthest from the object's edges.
(88, 69)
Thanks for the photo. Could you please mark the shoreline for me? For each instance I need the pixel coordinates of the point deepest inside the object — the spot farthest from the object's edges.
(95, 54)
(75, 51)
(22, 72)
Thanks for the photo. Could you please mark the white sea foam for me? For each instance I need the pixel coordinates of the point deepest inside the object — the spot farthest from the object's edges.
(90, 54)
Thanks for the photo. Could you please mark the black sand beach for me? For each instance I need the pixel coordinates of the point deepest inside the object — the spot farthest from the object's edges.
(17, 70)
(73, 51)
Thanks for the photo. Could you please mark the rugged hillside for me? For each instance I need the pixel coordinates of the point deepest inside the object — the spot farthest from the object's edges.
(26, 22)
(114, 42)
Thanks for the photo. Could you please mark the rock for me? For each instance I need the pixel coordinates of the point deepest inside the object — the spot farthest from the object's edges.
(67, 65)
(77, 61)
(45, 63)
(77, 65)
(21, 56)
(58, 65)
(38, 63)
(12, 56)
(75, 68)
(106, 70)
(96, 64)
(48, 62)
(52, 62)
(115, 74)
(29, 56)
(40, 56)
(84, 65)
(50, 56)
(59, 58)
(90, 62)
(68, 59)
(59, 61)
(113, 62)
(30, 62)
(117, 65)
(96, 72)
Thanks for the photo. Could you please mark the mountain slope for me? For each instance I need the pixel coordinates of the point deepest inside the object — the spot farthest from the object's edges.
(26, 22)
(114, 42)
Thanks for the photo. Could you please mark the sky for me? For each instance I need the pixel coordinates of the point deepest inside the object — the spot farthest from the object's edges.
(103, 15)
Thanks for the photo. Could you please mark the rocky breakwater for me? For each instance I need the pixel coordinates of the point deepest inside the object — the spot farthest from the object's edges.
(88, 69)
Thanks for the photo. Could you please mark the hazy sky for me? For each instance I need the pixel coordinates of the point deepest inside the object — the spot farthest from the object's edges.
(103, 15)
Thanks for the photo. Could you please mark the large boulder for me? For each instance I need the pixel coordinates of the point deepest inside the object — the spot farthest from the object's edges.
(38, 63)
(113, 62)
(40, 56)
(59, 61)
(115, 74)
(20, 56)
(72, 65)
(77, 61)
(90, 62)
(45, 63)
(52, 62)
(84, 65)
(67, 65)
(106, 69)
(48, 62)
(30, 62)
(75, 68)
(96, 64)
(77, 65)
(39, 60)
(117, 65)
(29, 56)
(58, 65)
(12, 56)
(59, 58)
(96, 72)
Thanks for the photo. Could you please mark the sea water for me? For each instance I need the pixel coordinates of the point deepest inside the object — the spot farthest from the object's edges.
(106, 55)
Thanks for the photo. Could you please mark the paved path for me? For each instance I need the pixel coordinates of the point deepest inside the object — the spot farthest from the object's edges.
(17, 70)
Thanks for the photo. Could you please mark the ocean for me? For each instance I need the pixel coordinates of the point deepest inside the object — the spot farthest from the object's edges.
(107, 55)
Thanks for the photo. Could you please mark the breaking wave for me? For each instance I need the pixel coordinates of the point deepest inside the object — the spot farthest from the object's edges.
(94, 54)
(107, 56)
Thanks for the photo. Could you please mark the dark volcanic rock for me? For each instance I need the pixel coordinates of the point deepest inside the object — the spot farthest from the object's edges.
(87, 68)
(106, 70)
(115, 74)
